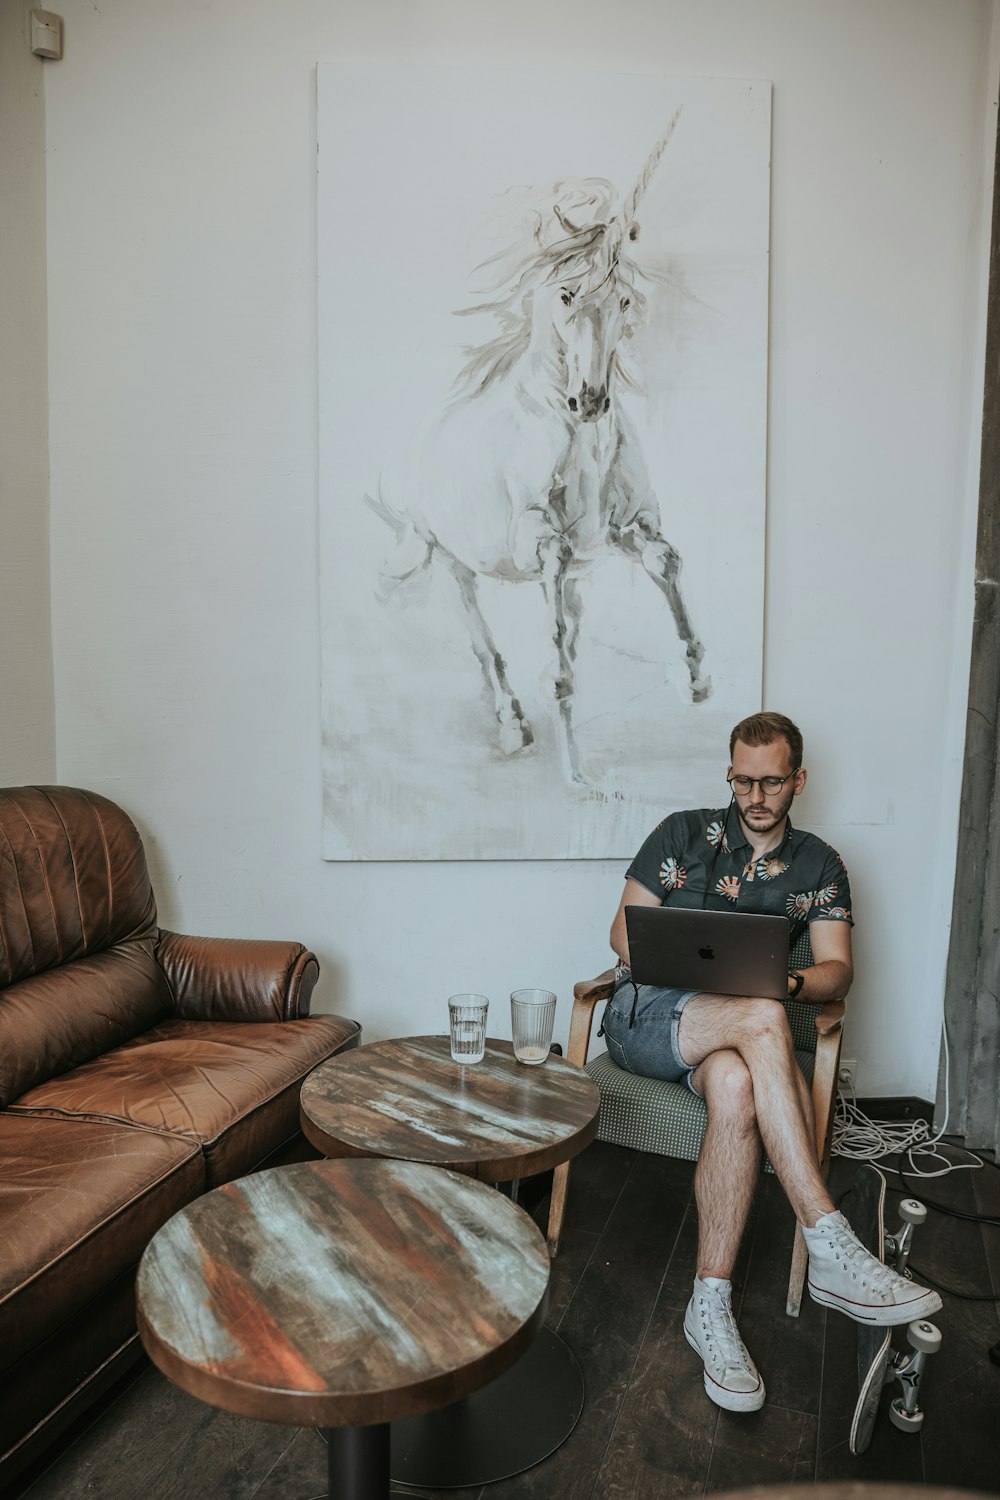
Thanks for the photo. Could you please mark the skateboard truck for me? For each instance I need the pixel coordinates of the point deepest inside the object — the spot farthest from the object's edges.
(897, 1246)
(924, 1339)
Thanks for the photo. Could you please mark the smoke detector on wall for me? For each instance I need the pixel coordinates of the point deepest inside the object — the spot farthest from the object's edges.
(46, 34)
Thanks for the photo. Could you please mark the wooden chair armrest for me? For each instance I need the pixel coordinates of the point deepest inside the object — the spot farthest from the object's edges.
(830, 1017)
(592, 990)
(829, 1028)
(587, 995)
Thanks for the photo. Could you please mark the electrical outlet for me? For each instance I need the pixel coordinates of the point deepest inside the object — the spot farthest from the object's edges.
(847, 1074)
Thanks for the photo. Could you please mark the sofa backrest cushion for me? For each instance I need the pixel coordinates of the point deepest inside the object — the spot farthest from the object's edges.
(77, 934)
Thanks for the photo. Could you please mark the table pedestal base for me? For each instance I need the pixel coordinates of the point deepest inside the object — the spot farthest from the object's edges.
(508, 1426)
(357, 1463)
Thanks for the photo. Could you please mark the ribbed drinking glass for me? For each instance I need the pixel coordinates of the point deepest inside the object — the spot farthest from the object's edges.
(532, 1014)
(467, 1015)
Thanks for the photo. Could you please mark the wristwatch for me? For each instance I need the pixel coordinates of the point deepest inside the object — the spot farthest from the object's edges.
(800, 980)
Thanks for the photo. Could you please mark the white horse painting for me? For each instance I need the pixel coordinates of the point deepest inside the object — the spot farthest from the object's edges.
(542, 336)
(534, 470)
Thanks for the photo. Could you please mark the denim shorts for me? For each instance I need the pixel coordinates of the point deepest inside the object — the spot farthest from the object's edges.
(648, 1046)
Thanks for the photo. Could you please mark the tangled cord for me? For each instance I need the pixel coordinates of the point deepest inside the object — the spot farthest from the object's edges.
(861, 1139)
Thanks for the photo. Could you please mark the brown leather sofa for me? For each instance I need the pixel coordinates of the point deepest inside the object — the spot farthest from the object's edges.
(138, 1069)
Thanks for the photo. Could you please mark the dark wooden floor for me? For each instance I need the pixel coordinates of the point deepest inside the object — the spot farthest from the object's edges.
(620, 1287)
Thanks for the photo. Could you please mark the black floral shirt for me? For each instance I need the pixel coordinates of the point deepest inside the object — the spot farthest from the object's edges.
(702, 859)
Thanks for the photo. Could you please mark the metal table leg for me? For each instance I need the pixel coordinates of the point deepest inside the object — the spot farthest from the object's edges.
(357, 1463)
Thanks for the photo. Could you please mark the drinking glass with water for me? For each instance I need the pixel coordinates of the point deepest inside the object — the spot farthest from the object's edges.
(467, 1014)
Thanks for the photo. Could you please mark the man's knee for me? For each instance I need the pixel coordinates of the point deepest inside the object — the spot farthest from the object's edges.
(767, 1020)
(724, 1081)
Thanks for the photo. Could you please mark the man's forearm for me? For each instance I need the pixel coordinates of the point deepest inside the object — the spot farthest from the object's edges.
(826, 981)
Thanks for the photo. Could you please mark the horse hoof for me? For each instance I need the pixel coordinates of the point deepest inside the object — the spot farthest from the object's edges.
(516, 737)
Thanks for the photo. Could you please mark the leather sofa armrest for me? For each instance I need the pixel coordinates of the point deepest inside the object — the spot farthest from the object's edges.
(234, 979)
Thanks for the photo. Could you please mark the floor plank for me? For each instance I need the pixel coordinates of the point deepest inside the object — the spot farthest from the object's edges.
(151, 1442)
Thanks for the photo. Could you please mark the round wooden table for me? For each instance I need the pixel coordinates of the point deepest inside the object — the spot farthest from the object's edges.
(497, 1120)
(342, 1295)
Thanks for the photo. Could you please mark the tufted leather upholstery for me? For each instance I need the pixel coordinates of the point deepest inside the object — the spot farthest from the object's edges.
(138, 1068)
(73, 880)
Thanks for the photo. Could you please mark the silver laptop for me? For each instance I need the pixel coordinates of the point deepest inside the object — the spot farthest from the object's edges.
(717, 952)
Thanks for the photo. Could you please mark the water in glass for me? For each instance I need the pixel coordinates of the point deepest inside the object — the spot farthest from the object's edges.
(467, 1015)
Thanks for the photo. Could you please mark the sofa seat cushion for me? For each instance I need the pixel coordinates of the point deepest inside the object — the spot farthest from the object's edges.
(79, 1202)
(232, 1087)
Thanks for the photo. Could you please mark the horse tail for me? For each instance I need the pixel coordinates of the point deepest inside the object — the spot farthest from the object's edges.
(413, 552)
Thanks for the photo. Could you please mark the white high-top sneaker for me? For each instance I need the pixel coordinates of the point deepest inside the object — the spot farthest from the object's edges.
(843, 1274)
(731, 1377)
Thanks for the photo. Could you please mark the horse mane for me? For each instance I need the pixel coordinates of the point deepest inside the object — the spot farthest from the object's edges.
(549, 246)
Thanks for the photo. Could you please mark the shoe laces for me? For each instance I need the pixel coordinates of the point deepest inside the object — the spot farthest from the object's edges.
(721, 1337)
(864, 1267)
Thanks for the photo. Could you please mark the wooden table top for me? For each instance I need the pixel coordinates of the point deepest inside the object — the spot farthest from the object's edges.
(342, 1293)
(406, 1099)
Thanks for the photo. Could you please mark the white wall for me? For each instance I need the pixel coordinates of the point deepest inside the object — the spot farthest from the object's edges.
(182, 286)
(27, 717)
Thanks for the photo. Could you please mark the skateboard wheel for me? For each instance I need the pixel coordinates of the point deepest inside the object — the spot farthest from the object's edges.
(906, 1421)
(912, 1212)
(924, 1337)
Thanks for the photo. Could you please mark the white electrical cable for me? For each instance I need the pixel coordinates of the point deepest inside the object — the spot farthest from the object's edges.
(861, 1139)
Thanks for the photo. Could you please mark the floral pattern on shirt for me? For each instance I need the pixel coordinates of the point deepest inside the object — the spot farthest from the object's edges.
(714, 834)
(672, 874)
(771, 867)
(729, 887)
(800, 904)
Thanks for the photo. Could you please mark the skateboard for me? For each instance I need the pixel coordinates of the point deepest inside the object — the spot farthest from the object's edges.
(879, 1364)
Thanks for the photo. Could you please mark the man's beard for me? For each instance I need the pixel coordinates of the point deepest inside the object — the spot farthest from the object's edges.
(768, 811)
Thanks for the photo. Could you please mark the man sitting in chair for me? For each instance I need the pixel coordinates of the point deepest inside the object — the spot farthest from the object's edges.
(738, 1053)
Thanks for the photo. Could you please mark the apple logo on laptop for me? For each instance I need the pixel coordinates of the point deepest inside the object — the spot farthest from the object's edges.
(708, 952)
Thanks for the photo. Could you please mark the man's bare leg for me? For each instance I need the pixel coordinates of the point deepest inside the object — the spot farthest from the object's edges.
(724, 1184)
(729, 1164)
(758, 1031)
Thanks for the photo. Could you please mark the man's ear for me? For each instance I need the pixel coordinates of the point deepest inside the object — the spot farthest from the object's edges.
(800, 779)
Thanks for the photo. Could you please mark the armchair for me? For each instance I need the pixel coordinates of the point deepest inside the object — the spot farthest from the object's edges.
(647, 1114)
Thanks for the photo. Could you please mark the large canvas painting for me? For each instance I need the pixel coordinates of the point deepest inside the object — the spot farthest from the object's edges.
(542, 422)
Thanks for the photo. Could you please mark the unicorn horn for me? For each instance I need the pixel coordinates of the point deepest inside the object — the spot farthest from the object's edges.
(649, 167)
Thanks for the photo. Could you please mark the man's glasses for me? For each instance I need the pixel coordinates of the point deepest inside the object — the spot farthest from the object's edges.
(768, 784)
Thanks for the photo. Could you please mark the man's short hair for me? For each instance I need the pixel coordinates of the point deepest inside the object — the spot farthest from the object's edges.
(764, 729)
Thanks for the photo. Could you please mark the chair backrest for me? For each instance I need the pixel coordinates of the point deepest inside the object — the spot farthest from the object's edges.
(801, 1016)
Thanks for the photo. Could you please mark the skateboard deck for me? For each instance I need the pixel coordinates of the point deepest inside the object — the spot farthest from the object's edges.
(868, 1223)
